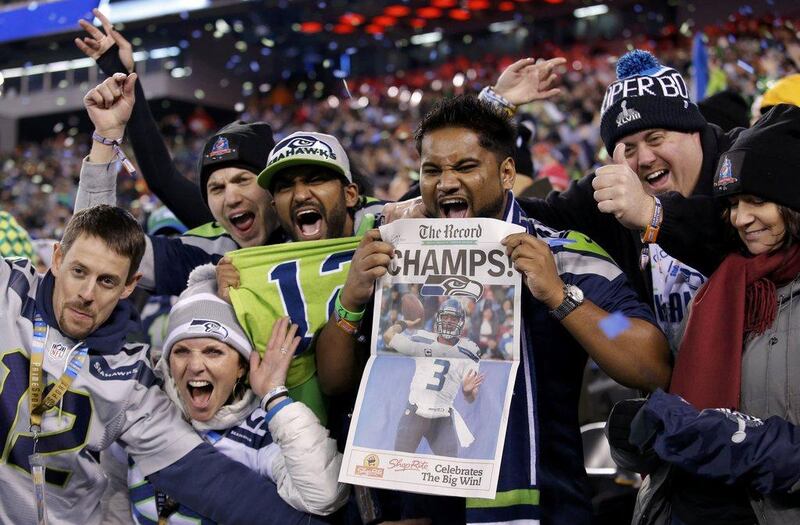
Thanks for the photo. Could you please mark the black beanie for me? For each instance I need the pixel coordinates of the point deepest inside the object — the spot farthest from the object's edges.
(646, 95)
(522, 152)
(765, 160)
(238, 145)
(727, 109)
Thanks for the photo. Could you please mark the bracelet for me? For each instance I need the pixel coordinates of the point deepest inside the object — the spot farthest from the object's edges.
(344, 313)
(114, 143)
(274, 410)
(651, 231)
(275, 393)
(488, 94)
(349, 327)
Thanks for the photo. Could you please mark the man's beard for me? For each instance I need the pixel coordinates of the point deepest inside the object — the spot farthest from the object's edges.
(335, 220)
(62, 319)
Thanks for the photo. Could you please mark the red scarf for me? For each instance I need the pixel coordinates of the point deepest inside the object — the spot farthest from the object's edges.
(738, 299)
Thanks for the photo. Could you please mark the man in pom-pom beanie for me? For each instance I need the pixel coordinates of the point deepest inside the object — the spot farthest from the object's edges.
(666, 150)
(661, 148)
(646, 96)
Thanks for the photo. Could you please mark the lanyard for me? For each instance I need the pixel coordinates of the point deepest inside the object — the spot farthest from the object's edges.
(37, 405)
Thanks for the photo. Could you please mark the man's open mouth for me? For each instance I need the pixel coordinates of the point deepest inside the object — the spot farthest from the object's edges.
(454, 207)
(199, 393)
(243, 221)
(657, 178)
(309, 222)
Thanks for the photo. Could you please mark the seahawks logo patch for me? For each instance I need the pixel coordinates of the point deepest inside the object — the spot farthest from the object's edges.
(451, 285)
(206, 326)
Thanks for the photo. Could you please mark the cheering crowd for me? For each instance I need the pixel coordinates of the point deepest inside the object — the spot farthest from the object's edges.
(237, 410)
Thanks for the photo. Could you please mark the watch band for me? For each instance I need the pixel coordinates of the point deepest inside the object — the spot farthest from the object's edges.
(569, 303)
(275, 393)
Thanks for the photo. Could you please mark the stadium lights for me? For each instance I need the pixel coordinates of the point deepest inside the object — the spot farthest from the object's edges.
(503, 27)
(592, 10)
(143, 9)
(82, 63)
(426, 38)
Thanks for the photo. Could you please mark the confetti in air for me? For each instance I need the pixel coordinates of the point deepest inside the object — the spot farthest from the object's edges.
(614, 325)
(347, 89)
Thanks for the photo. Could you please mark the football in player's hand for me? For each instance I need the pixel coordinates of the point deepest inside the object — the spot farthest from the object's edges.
(411, 307)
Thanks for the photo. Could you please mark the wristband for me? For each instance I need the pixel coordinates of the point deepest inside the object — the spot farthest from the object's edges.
(651, 231)
(403, 325)
(114, 143)
(488, 94)
(346, 314)
(275, 393)
(349, 327)
(274, 410)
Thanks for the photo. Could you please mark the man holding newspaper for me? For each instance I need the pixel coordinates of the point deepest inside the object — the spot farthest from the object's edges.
(467, 171)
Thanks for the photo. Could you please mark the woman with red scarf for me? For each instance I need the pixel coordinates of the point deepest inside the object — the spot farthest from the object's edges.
(733, 435)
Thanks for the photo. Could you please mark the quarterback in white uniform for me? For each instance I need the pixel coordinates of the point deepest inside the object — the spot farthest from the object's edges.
(436, 382)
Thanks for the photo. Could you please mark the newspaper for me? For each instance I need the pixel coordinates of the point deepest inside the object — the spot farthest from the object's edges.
(433, 404)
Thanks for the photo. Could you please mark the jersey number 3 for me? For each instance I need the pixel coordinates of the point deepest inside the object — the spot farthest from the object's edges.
(17, 447)
(440, 375)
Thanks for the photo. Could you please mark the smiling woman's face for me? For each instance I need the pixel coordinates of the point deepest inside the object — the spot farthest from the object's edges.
(760, 225)
(205, 371)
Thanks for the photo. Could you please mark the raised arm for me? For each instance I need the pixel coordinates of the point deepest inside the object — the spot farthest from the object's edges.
(114, 54)
(337, 364)
(307, 468)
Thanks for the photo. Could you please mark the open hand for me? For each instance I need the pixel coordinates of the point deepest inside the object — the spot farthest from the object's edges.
(529, 79)
(472, 383)
(97, 43)
(270, 372)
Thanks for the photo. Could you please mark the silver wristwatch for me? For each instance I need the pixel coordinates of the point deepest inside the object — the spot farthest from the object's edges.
(573, 298)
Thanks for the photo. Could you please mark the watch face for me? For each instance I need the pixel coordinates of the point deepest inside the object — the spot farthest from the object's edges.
(575, 293)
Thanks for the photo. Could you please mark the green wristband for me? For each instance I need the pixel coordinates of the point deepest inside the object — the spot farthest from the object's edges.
(346, 314)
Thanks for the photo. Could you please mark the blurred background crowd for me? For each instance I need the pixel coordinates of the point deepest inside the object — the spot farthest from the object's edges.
(372, 98)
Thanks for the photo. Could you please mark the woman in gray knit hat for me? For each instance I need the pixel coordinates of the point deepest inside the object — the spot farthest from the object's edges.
(237, 402)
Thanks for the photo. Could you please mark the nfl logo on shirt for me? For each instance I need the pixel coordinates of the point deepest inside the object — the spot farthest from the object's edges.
(57, 351)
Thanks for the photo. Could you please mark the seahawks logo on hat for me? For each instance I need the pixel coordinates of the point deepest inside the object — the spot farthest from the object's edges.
(451, 285)
(220, 147)
(725, 176)
(627, 115)
(302, 145)
(207, 326)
